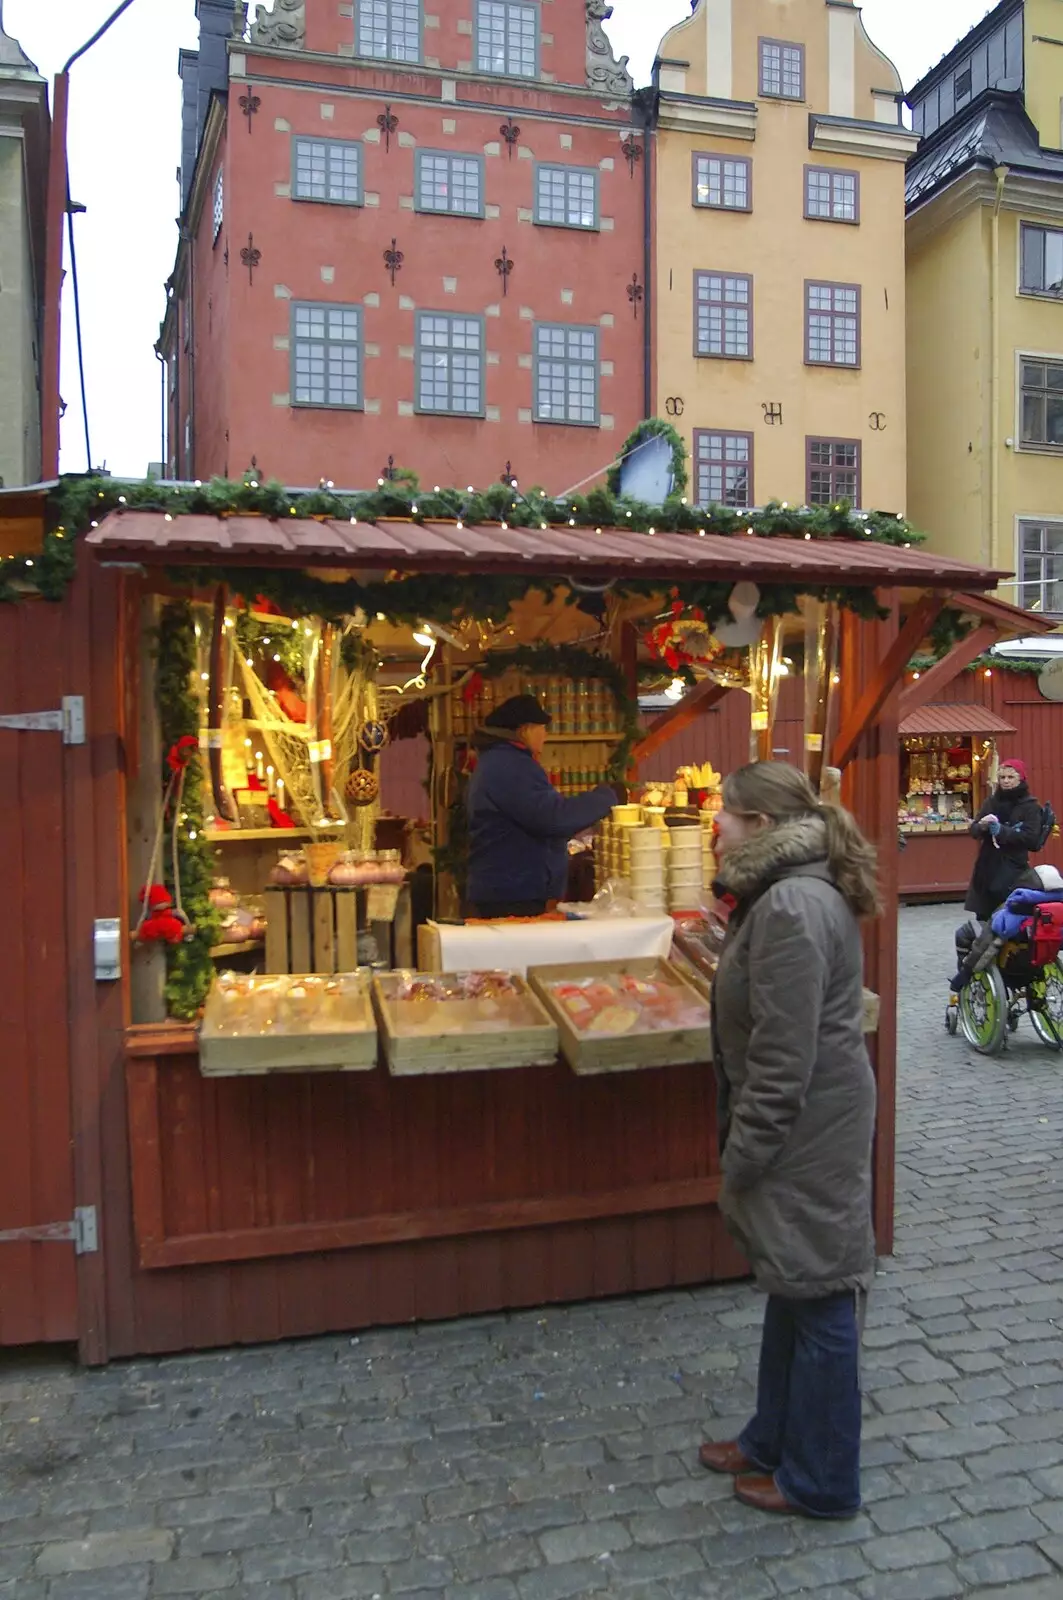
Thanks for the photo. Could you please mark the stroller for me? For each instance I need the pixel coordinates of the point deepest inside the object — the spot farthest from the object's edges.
(1012, 965)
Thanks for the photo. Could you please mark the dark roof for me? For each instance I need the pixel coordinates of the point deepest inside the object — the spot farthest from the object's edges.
(963, 47)
(996, 131)
(151, 538)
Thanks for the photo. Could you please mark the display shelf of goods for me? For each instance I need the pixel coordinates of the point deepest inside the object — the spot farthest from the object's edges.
(255, 1025)
(622, 1017)
(469, 1022)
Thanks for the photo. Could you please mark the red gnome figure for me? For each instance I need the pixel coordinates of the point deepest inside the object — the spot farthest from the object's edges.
(162, 924)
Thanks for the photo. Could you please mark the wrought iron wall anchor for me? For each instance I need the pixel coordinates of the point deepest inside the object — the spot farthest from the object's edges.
(251, 257)
(387, 122)
(393, 260)
(504, 265)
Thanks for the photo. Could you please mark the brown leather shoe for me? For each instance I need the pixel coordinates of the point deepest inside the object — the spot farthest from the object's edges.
(760, 1492)
(725, 1456)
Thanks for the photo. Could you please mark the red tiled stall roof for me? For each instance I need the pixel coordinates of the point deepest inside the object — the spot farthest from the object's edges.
(959, 719)
(150, 538)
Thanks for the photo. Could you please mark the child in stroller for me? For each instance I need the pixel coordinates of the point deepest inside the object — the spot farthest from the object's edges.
(1010, 961)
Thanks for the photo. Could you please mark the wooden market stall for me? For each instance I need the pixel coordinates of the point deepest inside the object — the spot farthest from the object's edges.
(262, 1206)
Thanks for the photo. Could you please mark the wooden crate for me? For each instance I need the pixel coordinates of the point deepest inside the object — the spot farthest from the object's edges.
(316, 930)
(511, 1047)
(308, 1049)
(630, 1052)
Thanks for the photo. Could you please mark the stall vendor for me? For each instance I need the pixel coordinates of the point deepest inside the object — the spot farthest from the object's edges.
(519, 826)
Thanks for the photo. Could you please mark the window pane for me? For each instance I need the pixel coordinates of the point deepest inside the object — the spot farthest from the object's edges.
(723, 315)
(1052, 538)
(1033, 271)
(327, 357)
(566, 381)
(723, 469)
(1033, 377)
(770, 69)
(507, 34)
(1054, 419)
(328, 170)
(389, 30)
(449, 184)
(1033, 418)
(1053, 260)
(450, 363)
(567, 197)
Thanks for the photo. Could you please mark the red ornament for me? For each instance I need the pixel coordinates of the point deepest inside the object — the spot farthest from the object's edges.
(472, 688)
(162, 925)
(180, 754)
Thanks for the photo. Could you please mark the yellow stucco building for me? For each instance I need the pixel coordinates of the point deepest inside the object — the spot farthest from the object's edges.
(985, 288)
(780, 287)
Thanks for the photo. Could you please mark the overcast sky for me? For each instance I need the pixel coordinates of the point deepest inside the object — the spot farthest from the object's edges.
(125, 147)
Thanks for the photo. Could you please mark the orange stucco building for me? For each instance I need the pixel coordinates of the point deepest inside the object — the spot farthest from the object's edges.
(414, 231)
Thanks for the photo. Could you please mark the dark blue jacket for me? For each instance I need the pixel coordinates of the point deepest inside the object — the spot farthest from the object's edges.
(519, 826)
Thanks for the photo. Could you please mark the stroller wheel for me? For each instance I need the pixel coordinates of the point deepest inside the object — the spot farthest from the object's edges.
(1045, 1001)
(984, 1012)
(952, 1017)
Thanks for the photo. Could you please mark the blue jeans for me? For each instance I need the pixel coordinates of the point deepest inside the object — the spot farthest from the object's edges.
(806, 1431)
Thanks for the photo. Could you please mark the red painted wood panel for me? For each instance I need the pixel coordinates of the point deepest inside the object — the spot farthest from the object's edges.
(37, 1281)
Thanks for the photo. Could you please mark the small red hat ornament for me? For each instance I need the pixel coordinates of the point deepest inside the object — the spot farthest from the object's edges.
(162, 925)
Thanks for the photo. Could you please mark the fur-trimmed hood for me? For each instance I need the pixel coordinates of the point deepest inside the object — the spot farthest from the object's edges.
(773, 854)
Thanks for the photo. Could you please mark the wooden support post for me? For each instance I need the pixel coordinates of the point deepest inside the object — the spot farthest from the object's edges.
(923, 690)
(887, 675)
(665, 727)
(870, 786)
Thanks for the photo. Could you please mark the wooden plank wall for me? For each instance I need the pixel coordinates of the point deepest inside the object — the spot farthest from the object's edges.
(269, 1208)
(38, 1300)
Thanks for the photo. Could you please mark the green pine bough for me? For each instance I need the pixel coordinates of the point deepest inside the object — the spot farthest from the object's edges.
(79, 502)
(189, 967)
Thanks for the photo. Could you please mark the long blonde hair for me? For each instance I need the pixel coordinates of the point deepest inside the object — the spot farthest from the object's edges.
(780, 792)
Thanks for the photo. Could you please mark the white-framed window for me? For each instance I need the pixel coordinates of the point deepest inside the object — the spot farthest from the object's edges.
(449, 184)
(450, 363)
(723, 315)
(327, 355)
(566, 197)
(219, 203)
(1041, 566)
(1041, 260)
(1041, 403)
(566, 374)
(507, 37)
(723, 183)
(389, 30)
(329, 170)
(832, 195)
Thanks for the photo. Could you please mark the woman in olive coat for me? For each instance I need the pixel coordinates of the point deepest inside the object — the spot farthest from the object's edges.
(797, 1119)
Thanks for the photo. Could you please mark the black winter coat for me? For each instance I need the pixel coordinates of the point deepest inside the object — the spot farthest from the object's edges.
(1004, 857)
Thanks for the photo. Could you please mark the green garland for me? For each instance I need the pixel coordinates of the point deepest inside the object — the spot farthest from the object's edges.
(78, 503)
(190, 970)
(654, 428)
(260, 641)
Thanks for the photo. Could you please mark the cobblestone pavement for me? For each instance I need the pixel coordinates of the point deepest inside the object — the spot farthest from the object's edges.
(540, 1456)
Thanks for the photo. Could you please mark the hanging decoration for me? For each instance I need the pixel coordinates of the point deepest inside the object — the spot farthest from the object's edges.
(373, 736)
(188, 873)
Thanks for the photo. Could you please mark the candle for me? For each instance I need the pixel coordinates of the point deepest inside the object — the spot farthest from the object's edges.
(280, 793)
(260, 771)
(270, 785)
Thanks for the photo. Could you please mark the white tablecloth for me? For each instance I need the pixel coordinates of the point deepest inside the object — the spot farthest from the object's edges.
(516, 947)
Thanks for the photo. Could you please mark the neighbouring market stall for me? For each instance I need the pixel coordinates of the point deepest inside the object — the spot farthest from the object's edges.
(354, 1135)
